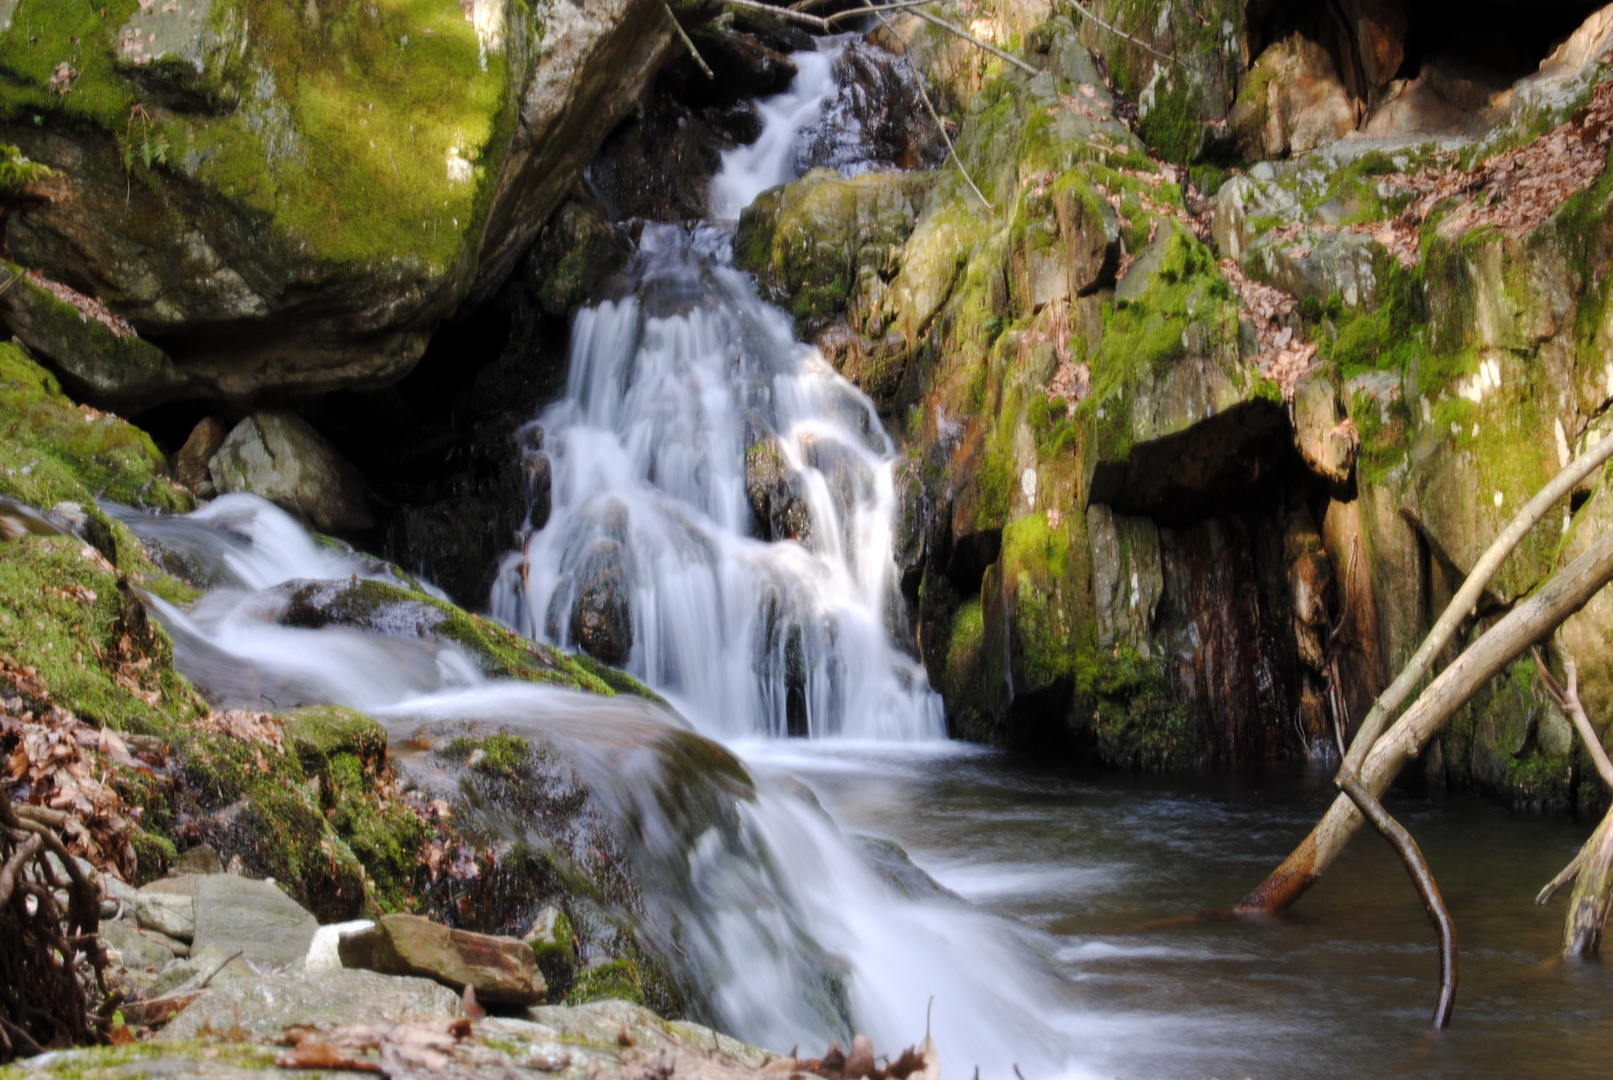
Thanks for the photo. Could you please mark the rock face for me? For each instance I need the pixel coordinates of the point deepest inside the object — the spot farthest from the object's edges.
(501, 971)
(290, 199)
(263, 1007)
(1199, 469)
(279, 456)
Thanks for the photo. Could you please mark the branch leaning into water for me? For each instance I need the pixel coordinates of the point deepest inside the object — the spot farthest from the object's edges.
(1117, 32)
(940, 124)
(1564, 593)
(1423, 878)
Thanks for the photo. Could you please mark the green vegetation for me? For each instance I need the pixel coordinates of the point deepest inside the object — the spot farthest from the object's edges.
(1138, 721)
(617, 979)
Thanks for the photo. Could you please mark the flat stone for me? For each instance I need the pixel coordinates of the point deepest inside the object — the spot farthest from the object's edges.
(168, 907)
(253, 916)
(501, 970)
(316, 999)
(138, 950)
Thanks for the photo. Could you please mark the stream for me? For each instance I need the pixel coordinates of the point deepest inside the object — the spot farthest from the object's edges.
(1039, 926)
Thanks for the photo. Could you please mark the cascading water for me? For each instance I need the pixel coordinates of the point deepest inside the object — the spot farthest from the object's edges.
(672, 387)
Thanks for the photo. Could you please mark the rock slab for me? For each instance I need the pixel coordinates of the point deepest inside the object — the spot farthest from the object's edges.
(502, 971)
(266, 925)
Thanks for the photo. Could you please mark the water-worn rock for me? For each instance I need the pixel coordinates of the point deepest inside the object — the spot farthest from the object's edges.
(279, 456)
(262, 1007)
(294, 198)
(252, 917)
(204, 440)
(602, 614)
(137, 950)
(502, 971)
(776, 494)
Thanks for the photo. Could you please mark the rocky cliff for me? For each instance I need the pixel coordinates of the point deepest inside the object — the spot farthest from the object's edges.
(1254, 335)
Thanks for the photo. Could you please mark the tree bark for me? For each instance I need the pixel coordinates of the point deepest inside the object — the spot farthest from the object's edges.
(1593, 889)
(1532, 620)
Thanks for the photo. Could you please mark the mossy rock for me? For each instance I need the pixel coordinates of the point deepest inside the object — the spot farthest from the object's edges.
(327, 180)
(615, 979)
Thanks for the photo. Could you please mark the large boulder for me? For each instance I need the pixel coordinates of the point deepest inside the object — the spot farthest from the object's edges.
(500, 970)
(293, 196)
(279, 456)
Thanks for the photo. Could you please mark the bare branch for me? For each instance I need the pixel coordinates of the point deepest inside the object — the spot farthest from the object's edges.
(940, 124)
(1467, 598)
(1117, 32)
(1568, 874)
(1593, 891)
(953, 28)
(1567, 700)
(1423, 878)
(1530, 621)
(687, 42)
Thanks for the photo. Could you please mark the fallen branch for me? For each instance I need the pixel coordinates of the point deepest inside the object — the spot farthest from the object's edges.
(1532, 620)
(1117, 32)
(940, 125)
(914, 6)
(1592, 868)
(1467, 597)
(1423, 878)
(688, 43)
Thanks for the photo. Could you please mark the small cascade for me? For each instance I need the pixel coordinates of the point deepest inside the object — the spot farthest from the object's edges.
(691, 414)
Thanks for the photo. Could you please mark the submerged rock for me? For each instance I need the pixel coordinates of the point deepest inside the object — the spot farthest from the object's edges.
(280, 457)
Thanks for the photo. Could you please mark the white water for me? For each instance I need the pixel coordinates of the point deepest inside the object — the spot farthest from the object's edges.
(668, 387)
(747, 171)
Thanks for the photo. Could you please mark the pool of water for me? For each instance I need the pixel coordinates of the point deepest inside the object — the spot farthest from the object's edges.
(1105, 871)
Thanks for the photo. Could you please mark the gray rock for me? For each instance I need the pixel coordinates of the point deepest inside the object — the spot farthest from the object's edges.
(167, 907)
(253, 916)
(280, 457)
(138, 950)
(264, 1006)
(501, 970)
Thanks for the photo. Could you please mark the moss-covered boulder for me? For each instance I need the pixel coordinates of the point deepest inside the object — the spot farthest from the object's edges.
(292, 196)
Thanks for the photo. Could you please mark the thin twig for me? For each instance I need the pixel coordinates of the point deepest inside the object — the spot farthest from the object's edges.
(1423, 878)
(1117, 32)
(687, 43)
(936, 20)
(1567, 699)
(898, 5)
(918, 80)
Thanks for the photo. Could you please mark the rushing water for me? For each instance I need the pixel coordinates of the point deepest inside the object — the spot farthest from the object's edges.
(1042, 948)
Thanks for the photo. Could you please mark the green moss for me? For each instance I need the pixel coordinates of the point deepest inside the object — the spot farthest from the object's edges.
(556, 955)
(17, 174)
(63, 613)
(616, 979)
(1035, 566)
(1138, 721)
(51, 450)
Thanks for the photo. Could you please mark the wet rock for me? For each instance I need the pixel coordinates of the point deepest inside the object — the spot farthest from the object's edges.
(776, 494)
(578, 249)
(264, 1007)
(1310, 584)
(874, 120)
(602, 616)
(502, 971)
(280, 457)
(659, 166)
(554, 948)
(239, 914)
(743, 65)
(1127, 578)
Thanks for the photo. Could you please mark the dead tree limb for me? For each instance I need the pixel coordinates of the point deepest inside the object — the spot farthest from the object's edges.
(1592, 868)
(1564, 593)
(1423, 878)
(688, 43)
(1117, 32)
(940, 124)
(1466, 600)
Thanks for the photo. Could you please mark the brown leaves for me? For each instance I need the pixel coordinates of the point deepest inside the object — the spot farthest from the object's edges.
(1283, 355)
(49, 757)
(88, 307)
(860, 1063)
(247, 726)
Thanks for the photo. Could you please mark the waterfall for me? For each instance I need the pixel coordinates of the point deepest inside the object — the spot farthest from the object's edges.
(672, 387)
